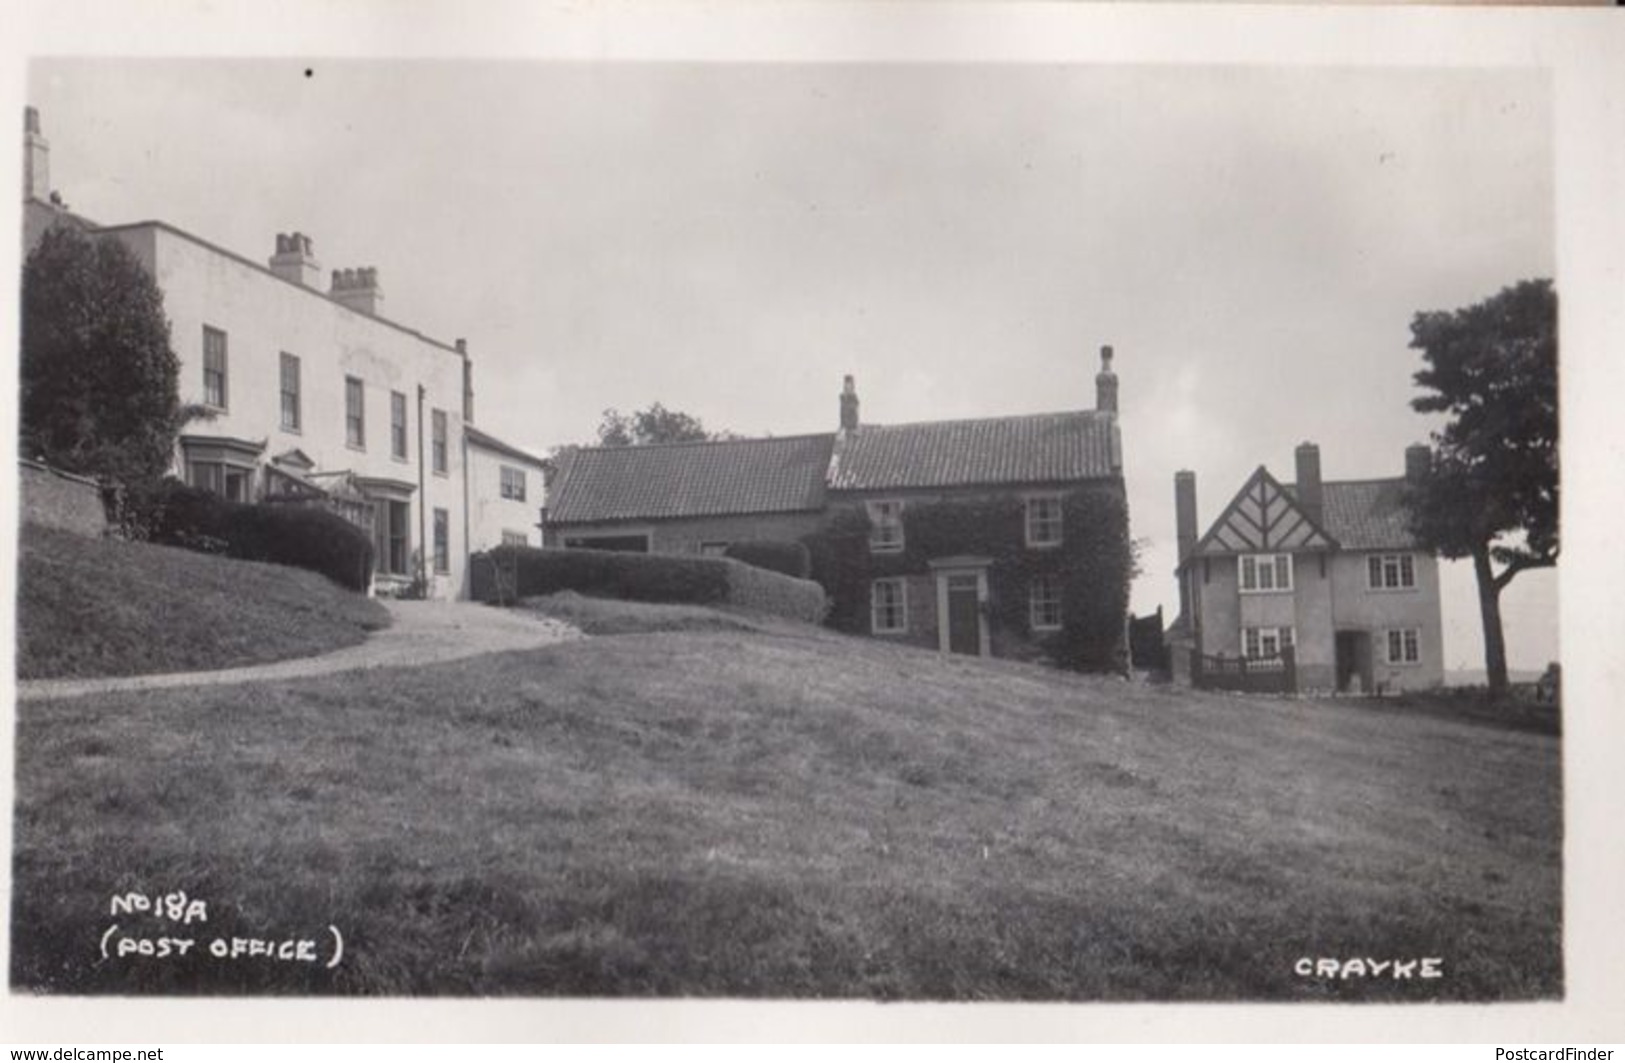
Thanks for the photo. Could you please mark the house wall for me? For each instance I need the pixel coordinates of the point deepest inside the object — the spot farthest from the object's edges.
(38, 219)
(924, 625)
(1356, 607)
(60, 499)
(685, 535)
(1312, 585)
(1218, 605)
(1306, 609)
(489, 514)
(1320, 606)
(263, 316)
(922, 613)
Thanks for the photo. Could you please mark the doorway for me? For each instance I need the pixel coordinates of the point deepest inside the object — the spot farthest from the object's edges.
(1354, 662)
(961, 598)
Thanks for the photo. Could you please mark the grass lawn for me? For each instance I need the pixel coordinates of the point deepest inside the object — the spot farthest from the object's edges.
(103, 607)
(792, 814)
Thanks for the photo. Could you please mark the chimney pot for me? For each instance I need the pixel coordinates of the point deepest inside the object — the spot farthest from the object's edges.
(358, 289)
(294, 262)
(1106, 383)
(849, 404)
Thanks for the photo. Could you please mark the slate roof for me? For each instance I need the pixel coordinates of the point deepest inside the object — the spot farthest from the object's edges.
(492, 443)
(1367, 514)
(782, 475)
(1036, 448)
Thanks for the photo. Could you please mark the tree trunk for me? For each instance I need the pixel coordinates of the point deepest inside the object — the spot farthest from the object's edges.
(1489, 608)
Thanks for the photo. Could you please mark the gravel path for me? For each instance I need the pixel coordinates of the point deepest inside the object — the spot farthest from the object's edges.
(419, 633)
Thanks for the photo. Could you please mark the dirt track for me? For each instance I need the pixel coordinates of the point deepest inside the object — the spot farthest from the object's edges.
(419, 633)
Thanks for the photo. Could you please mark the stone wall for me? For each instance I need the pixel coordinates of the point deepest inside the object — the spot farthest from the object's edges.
(60, 499)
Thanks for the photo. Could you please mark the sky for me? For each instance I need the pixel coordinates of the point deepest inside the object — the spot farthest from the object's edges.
(731, 238)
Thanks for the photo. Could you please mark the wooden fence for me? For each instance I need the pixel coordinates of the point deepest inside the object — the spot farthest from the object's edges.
(1258, 675)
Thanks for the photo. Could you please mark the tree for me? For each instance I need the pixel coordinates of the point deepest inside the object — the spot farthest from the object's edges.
(654, 425)
(1491, 493)
(99, 389)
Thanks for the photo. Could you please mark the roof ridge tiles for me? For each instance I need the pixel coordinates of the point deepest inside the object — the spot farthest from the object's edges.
(983, 420)
(612, 447)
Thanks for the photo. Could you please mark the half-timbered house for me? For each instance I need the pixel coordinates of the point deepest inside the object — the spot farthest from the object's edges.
(1312, 585)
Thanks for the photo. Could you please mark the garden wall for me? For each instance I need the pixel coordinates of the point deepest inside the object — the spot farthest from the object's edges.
(60, 499)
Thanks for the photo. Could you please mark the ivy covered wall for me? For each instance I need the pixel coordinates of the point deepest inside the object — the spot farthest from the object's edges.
(1093, 566)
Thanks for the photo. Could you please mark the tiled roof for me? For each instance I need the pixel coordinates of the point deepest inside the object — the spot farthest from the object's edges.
(1367, 514)
(690, 479)
(1037, 448)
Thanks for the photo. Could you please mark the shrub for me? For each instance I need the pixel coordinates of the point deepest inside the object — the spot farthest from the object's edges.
(790, 558)
(653, 578)
(98, 384)
(771, 592)
(174, 514)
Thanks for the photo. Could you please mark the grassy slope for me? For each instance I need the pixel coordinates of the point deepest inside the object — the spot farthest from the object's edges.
(728, 812)
(95, 607)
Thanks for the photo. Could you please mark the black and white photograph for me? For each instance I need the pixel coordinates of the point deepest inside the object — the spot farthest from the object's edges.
(804, 524)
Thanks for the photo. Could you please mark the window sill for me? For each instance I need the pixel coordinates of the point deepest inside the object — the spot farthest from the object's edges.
(1265, 590)
(897, 631)
(873, 549)
(295, 431)
(1044, 546)
(1046, 629)
(1391, 590)
(359, 448)
(442, 473)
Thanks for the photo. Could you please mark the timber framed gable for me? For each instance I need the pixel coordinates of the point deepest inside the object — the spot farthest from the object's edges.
(1263, 517)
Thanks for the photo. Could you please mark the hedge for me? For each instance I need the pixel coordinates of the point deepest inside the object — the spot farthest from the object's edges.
(175, 514)
(650, 578)
(790, 558)
(772, 592)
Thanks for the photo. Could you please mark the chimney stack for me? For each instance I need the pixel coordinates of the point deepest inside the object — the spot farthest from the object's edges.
(1106, 383)
(295, 260)
(849, 406)
(1185, 512)
(1310, 498)
(358, 289)
(1418, 462)
(36, 158)
(468, 382)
